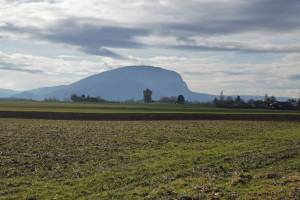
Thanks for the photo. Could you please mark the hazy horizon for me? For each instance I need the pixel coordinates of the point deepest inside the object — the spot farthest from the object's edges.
(240, 47)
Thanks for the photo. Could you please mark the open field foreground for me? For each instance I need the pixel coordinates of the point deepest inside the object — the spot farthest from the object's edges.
(185, 160)
(125, 108)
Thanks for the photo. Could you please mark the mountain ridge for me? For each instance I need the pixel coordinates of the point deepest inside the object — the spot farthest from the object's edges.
(121, 84)
(128, 83)
(7, 93)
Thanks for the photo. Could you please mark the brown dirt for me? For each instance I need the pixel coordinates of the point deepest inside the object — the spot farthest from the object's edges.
(146, 116)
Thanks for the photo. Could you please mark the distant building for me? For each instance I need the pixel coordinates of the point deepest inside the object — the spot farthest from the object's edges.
(147, 96)
(283, 105)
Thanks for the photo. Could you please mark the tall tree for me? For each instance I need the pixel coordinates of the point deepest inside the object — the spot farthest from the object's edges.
(222, 98)
(147, 96)
(238, 100)
(180, 99)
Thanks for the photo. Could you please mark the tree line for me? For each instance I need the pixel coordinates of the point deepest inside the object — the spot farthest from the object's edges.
(180, 99)
(269, 102)
(84, 98)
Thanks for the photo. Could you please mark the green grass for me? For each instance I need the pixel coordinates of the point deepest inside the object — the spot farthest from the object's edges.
(126, 108)
(42, 159)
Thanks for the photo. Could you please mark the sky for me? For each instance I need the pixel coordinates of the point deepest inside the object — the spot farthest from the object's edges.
(239, 46)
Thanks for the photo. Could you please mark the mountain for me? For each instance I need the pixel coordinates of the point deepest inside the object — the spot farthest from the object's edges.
(124, 84)
(26, 95)
(44, 92)
(5, 93)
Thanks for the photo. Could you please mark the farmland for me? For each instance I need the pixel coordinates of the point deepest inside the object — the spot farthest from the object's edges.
(137, 111)
(31, 106)
(49, 159)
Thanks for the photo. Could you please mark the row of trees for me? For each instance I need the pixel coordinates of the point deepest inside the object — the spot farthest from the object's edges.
(83, 98)
(223, 101)
(173, 99)
(269, 102)
(147, 98)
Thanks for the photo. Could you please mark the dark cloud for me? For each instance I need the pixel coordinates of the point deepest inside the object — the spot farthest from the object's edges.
(273, 15)
(100, 51)
(255, 15)
(266, 17)
(96, 39)
(90, 38)
(273, 11)
(76, 32)
(9, 27)
(19, 68)
(234, 47)
(295, 77)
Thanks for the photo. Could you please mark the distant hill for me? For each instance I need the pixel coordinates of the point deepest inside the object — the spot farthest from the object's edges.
(124, 83)
(26, 95)
(4, 93)
(46, 92)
